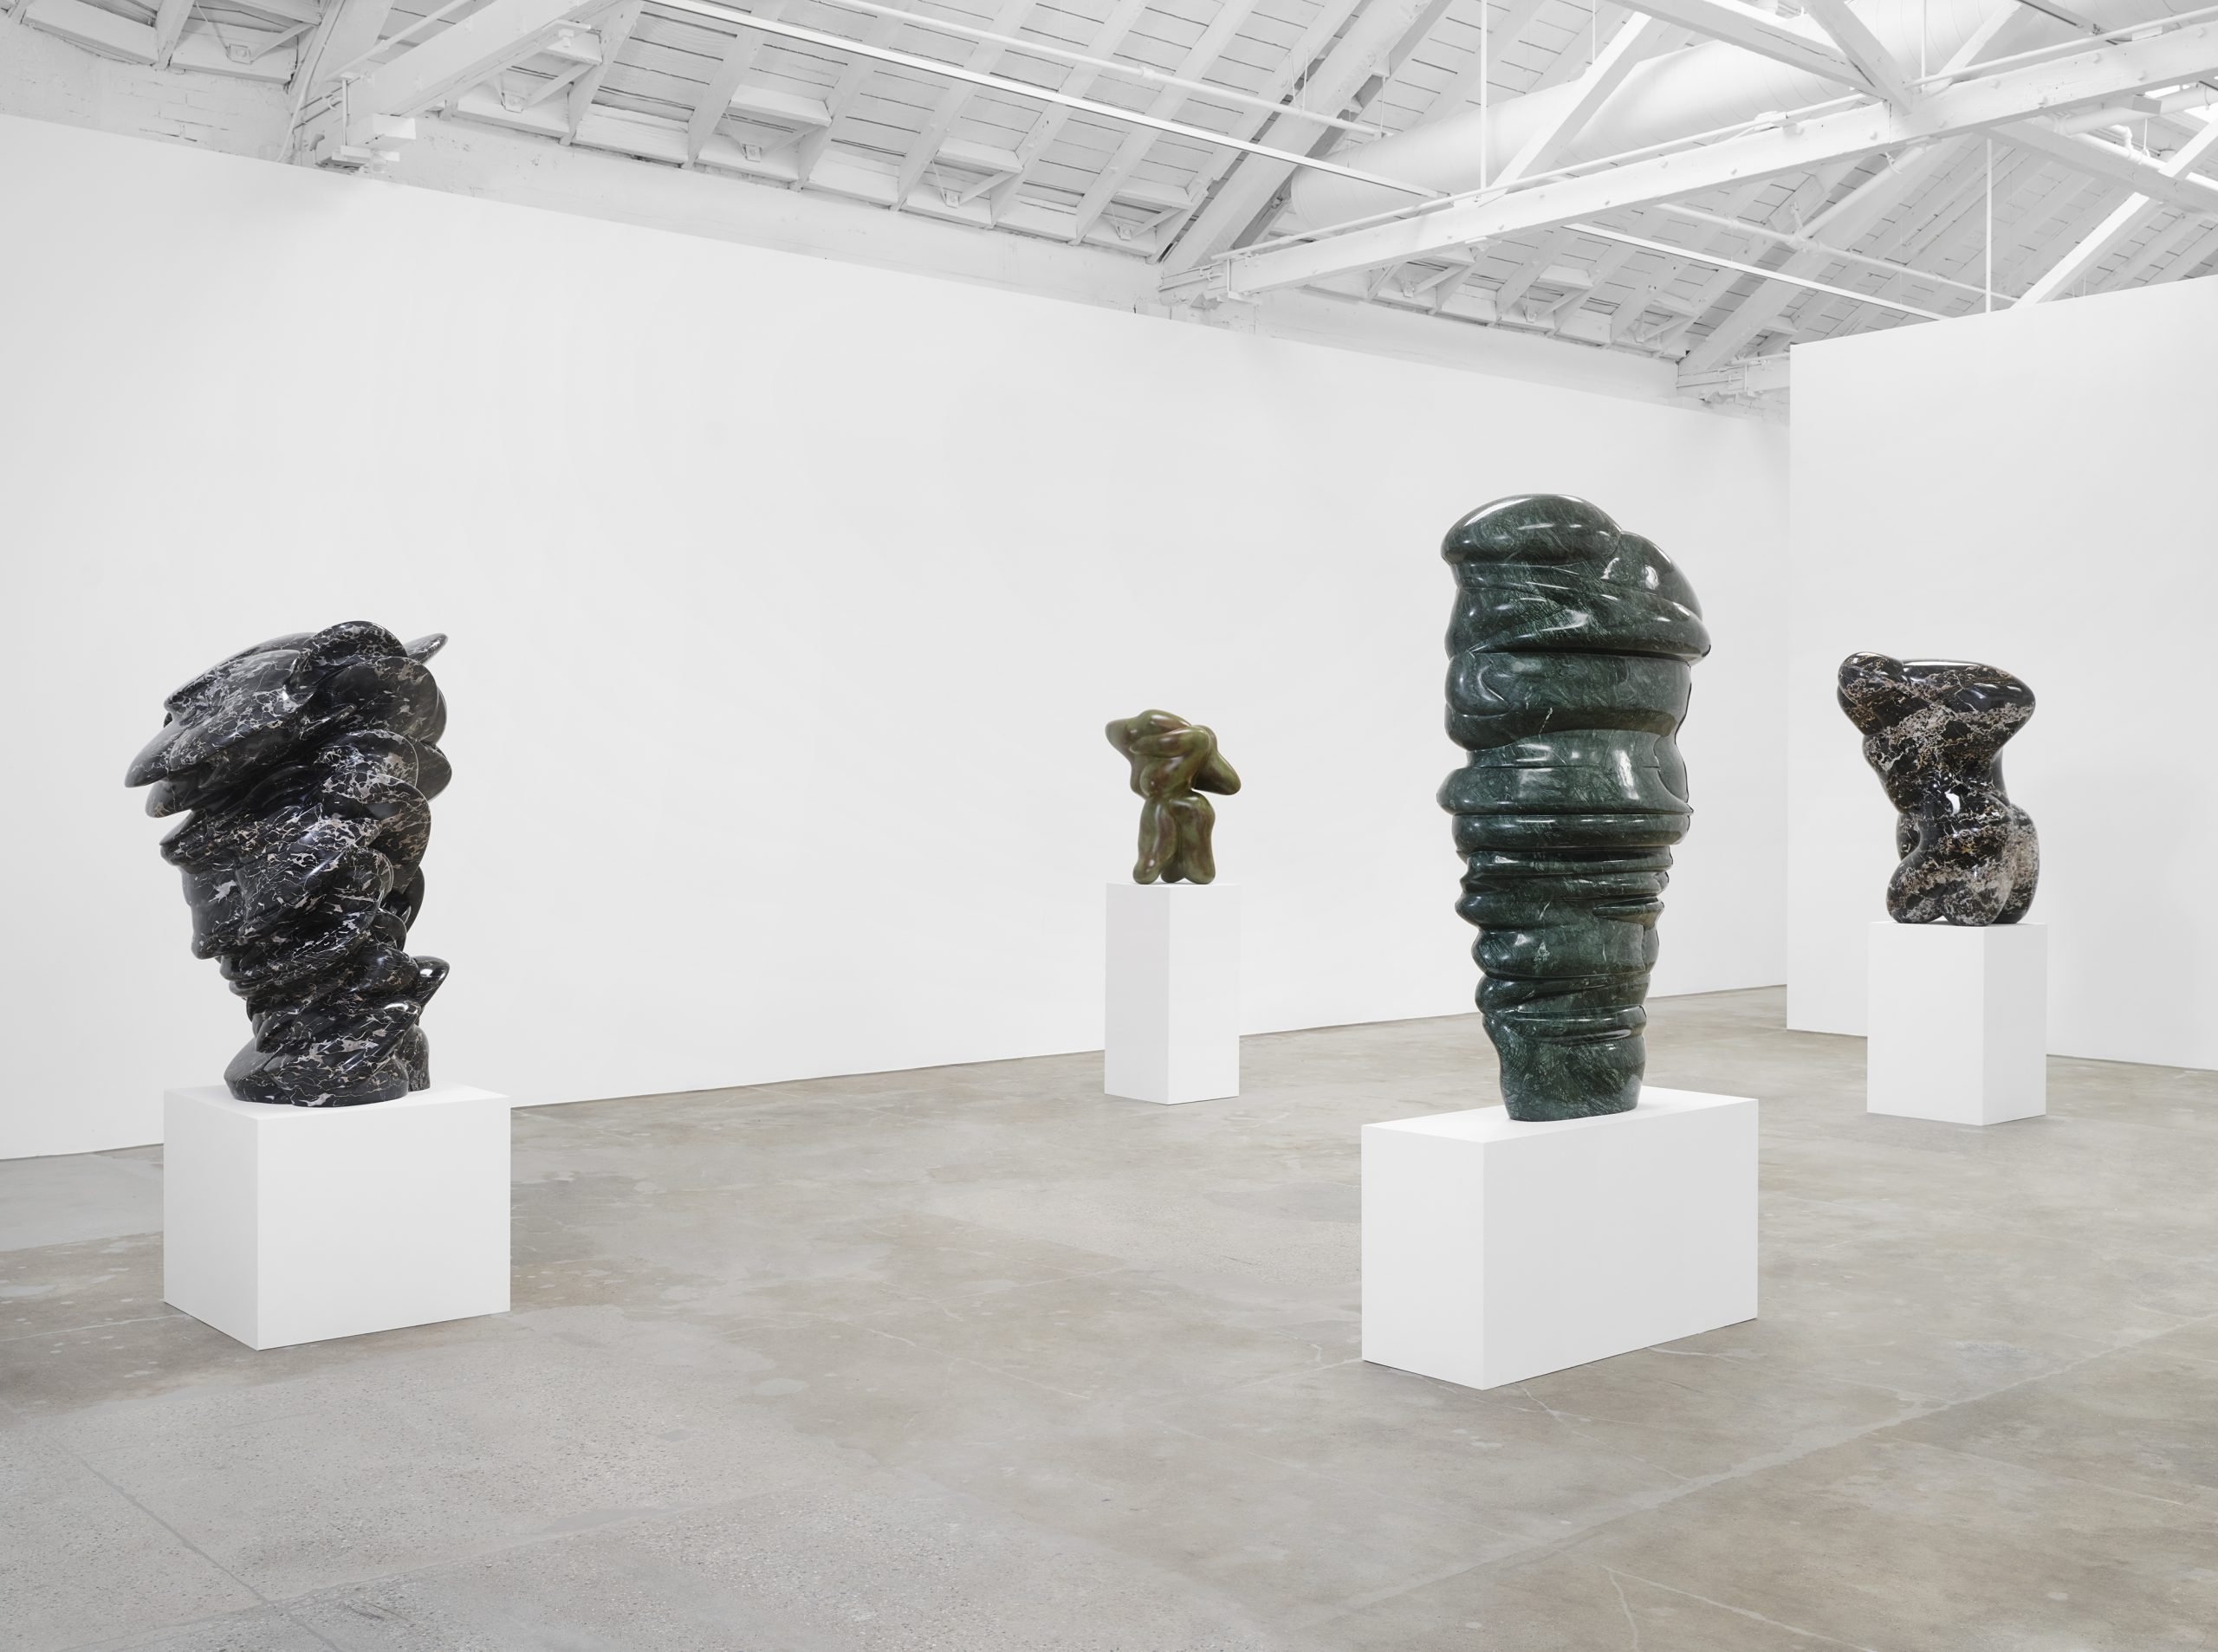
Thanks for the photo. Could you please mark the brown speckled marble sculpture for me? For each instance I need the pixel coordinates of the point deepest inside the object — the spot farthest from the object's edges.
(1934, 731)
(1173, 762)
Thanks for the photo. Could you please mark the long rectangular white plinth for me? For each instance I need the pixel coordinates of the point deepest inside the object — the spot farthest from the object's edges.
(1171, 1030)
(1496, 1250)
(284, 1224)
(1957, 1022)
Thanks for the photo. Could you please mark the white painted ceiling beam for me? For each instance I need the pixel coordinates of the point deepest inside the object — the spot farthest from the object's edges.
(723, 81)
(2160, 245)
(1756, 270)
(2006, 27)
(2189, 260)
(106, 33)
(2088, 153)
(615, 32)
(1571, 61)
(845, 92)
(1369, 92)
(1061, 100)
(985, 56)
(2129, 218)
(1786, 40)
(1803, 244)
(1037, 46)
(1374, 34)
(1849, 221)
(1676, 268)
(1292, 70)
(1200, 58)
(169, 24)
(1512, 292)
(1606, 271)
(306, 13)
(1627, 49)
(242, 54)
(1667, 342)
(351, 36)
(464, 54)
(1862, 47)
(1456, 96)
(1048, 125)
(1743, 381)
(1945, 181)
(269, 59)
(662, 138)
(1654, 290)
(2063, 212)
(1977, 103)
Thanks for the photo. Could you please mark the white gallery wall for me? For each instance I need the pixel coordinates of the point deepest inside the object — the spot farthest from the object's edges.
(789, 598)
(2033, 490)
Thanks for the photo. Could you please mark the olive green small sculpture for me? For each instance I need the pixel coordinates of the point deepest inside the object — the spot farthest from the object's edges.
(1174, 761)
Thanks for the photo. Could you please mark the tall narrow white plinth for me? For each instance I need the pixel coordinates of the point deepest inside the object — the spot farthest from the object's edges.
(284, 1224)
(1173, 1027)
(1958, 1022)
(1494, 1251)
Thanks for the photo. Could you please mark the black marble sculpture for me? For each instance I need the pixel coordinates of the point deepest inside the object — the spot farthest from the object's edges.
(1569, 659)
(1174, 761)
(309, 762)
(1934, 730)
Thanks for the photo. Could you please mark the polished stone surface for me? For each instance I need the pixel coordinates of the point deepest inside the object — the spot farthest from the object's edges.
(971, 1360)
(1933, 732)
(1174, 761)
(309, 763)
(1570, 660)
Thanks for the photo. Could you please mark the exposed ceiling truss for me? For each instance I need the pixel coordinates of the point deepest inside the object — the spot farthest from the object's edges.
(2056, 151)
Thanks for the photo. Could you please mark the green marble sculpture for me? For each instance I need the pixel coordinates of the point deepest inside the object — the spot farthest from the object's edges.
(1174, 761)
(1570, 658)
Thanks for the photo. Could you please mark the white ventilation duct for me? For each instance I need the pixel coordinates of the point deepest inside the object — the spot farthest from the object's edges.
(1697, 89)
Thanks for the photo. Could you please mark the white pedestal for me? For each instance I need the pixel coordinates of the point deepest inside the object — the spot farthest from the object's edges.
(1172, 1028)
(1958, 1022)
(285, 1225)
(1494, 1251)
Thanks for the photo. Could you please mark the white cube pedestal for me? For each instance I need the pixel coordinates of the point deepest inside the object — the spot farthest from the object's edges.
(1171, 1032)
(284, 1224)
(1957, 1020)
(1496, 1250)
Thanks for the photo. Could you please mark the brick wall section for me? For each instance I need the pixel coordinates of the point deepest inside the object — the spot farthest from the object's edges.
(49, 79)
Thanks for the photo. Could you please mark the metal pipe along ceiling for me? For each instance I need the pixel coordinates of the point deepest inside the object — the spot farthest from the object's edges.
(1698, 88)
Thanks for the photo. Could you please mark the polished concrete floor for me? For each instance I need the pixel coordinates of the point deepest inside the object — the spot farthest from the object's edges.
(976, 1359)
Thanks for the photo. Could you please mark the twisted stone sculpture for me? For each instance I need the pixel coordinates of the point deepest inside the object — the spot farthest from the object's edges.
(1173, 762)
(1570, 660)
(309, 762)
(1933, 731)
